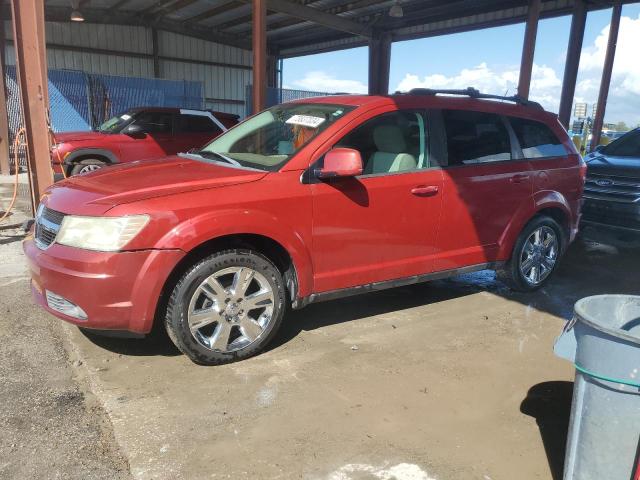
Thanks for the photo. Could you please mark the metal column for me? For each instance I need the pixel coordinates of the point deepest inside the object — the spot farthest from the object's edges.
(29, 44)
(606, 76)
(379, 64)
(572, 62)
(155, 52)
(528, 49)
(4, 119)
(259, 40)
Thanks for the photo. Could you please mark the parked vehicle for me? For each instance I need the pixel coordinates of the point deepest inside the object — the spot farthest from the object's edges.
(308, 201)
(138, 134)
(612, 190)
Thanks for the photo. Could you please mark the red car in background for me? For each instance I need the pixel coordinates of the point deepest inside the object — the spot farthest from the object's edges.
(138, 134)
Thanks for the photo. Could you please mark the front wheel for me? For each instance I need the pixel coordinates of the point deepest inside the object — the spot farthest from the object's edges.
(535, 255)
(86, 166)
(226, 307)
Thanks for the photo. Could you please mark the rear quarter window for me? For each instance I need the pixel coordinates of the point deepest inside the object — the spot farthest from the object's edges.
(475, 137)
(536, 139)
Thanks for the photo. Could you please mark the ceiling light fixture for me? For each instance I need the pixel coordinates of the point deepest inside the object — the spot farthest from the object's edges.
(76, 14)
(396, 10)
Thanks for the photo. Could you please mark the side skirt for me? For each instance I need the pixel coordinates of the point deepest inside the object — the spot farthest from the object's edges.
(398, 282)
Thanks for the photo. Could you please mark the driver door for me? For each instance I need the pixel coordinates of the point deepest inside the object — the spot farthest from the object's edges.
(383, 224)
(156, 141)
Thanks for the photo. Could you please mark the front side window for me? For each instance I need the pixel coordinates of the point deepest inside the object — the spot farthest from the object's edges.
(154, 122)
(390, 143)
(268, 140)
(626, 146)
(475, 137)
(536, 139)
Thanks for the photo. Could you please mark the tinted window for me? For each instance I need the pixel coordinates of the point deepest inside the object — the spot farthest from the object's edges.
(536, 139)
(393, 142)
(626, 146)
(154, 122)
(197, 124)
(475, 137)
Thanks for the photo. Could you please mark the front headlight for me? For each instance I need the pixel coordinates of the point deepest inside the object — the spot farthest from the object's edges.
(106, 234)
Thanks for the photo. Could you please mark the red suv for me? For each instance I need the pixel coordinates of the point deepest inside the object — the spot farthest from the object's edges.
(138, 134)
(308, 201)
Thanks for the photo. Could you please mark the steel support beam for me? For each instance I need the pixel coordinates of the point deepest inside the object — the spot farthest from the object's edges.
(29, 43)
(606, 75)
(259, 40)
(317, 16)
(576, 37)
(528, 48)
(379, 64)
(4, 119)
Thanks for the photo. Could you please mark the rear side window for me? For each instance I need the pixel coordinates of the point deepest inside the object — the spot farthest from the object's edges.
(475, 137)
(536, 139)
(197, 124)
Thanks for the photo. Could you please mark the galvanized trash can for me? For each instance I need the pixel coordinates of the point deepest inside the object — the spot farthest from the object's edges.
(603, 341)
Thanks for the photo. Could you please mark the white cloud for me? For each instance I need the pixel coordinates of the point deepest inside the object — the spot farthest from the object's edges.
(320, 81)
(545, 84)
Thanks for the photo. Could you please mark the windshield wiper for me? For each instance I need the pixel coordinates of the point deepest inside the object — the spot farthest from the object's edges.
(218, 156)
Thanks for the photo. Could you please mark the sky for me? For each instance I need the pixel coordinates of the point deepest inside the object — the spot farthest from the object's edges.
(489, 60)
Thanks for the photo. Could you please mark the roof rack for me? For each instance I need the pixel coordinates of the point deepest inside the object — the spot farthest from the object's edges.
(474, 93)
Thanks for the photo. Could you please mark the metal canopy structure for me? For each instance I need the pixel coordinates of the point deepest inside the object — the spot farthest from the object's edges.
(276, 29)
(301, 27)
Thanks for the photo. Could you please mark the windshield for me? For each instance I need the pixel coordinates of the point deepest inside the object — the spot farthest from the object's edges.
(627, 145)
(115, 124)
(268, 140)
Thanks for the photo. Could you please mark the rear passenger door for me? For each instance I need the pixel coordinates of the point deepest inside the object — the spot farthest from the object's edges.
(195, 129)
(486, 181)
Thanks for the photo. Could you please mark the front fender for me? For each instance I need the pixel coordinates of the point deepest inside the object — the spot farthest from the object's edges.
(211, 225)
(540, 201)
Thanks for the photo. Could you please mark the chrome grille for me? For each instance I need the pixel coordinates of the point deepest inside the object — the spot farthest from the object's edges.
(47, 225)
(610, 187)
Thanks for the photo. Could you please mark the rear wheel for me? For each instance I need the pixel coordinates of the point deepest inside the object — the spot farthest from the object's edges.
(226, 307)
(535, 255)
(86, 166)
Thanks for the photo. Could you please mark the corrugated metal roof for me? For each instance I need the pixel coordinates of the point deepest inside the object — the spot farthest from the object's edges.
(294, 26)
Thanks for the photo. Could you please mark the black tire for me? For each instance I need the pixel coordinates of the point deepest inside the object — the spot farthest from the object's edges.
(512, 274)
(84, 166)
(190, 287)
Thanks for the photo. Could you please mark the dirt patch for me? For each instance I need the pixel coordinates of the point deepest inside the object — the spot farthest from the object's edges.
(51, 426)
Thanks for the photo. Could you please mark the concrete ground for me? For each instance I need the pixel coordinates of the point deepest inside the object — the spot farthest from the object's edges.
(450, 380)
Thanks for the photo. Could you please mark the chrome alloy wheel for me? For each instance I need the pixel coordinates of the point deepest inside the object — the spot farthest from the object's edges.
(89, 168)
(539, 255)
(231, 309)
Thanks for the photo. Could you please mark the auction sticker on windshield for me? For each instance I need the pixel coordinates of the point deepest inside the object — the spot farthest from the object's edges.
(305, 121)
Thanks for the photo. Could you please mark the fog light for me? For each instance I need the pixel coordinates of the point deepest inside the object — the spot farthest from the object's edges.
(62, 305)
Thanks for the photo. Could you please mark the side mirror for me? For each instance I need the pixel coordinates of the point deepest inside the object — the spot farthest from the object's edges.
(134, 130)
(340, 162)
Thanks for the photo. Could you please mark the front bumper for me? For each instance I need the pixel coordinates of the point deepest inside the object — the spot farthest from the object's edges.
(117, 290)
(618, 215)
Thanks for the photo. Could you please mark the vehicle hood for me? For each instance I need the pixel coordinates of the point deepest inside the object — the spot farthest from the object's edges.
(78, 136)
(600, 164)
(96, 192)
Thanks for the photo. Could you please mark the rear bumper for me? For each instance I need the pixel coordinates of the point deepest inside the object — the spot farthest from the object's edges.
(618, 215)
(117, 291)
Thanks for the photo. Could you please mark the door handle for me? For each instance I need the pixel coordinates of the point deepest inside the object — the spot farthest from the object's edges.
(425, 190)
(519, 178)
